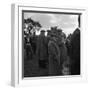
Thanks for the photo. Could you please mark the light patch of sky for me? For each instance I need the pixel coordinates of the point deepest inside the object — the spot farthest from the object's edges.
(68, 23)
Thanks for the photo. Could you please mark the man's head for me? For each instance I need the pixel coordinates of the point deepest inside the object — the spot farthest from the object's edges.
(42, 32)
(49, 32)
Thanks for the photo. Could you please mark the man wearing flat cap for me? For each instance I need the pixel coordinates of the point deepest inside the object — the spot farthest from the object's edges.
(54, 54)
(41, 51)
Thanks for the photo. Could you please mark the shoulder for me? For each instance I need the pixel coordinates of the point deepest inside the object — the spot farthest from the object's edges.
(50, 43)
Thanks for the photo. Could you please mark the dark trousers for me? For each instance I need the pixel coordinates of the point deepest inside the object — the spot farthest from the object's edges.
(42, 63)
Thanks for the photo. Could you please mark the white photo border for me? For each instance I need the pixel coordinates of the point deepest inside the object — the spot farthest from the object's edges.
(16, 54)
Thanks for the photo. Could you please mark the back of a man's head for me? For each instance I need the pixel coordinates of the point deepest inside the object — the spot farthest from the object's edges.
(48, 32)
(42, 32)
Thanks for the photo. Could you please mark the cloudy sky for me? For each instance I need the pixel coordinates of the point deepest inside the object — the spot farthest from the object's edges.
(66, 22)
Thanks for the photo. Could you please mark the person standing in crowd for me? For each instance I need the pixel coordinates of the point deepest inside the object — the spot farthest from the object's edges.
(54, 55)
(41, 50)
(64, 59)
(33, 40)
(28, 47)
(75, 52)
(47, 41)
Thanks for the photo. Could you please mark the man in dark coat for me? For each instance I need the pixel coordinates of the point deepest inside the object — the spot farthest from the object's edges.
(54, 55)
(27, 47)
(75, 52)
(64, 60)
(41, 50)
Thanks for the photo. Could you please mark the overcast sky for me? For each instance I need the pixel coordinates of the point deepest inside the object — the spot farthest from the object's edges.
(66, 22)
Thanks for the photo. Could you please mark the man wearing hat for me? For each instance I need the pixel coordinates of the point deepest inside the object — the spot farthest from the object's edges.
(54, 54)
(41, 51)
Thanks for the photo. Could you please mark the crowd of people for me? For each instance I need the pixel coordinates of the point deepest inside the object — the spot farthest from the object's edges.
(58, 54)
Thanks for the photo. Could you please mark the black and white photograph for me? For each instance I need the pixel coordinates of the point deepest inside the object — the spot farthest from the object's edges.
(51, 43)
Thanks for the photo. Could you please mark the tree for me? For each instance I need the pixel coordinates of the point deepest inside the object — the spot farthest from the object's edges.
(31, 26)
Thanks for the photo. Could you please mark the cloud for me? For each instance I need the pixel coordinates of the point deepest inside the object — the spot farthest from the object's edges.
(67, 22)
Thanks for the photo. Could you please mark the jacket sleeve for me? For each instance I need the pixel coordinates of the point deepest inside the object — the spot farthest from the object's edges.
(51, 49)
(54, 51)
